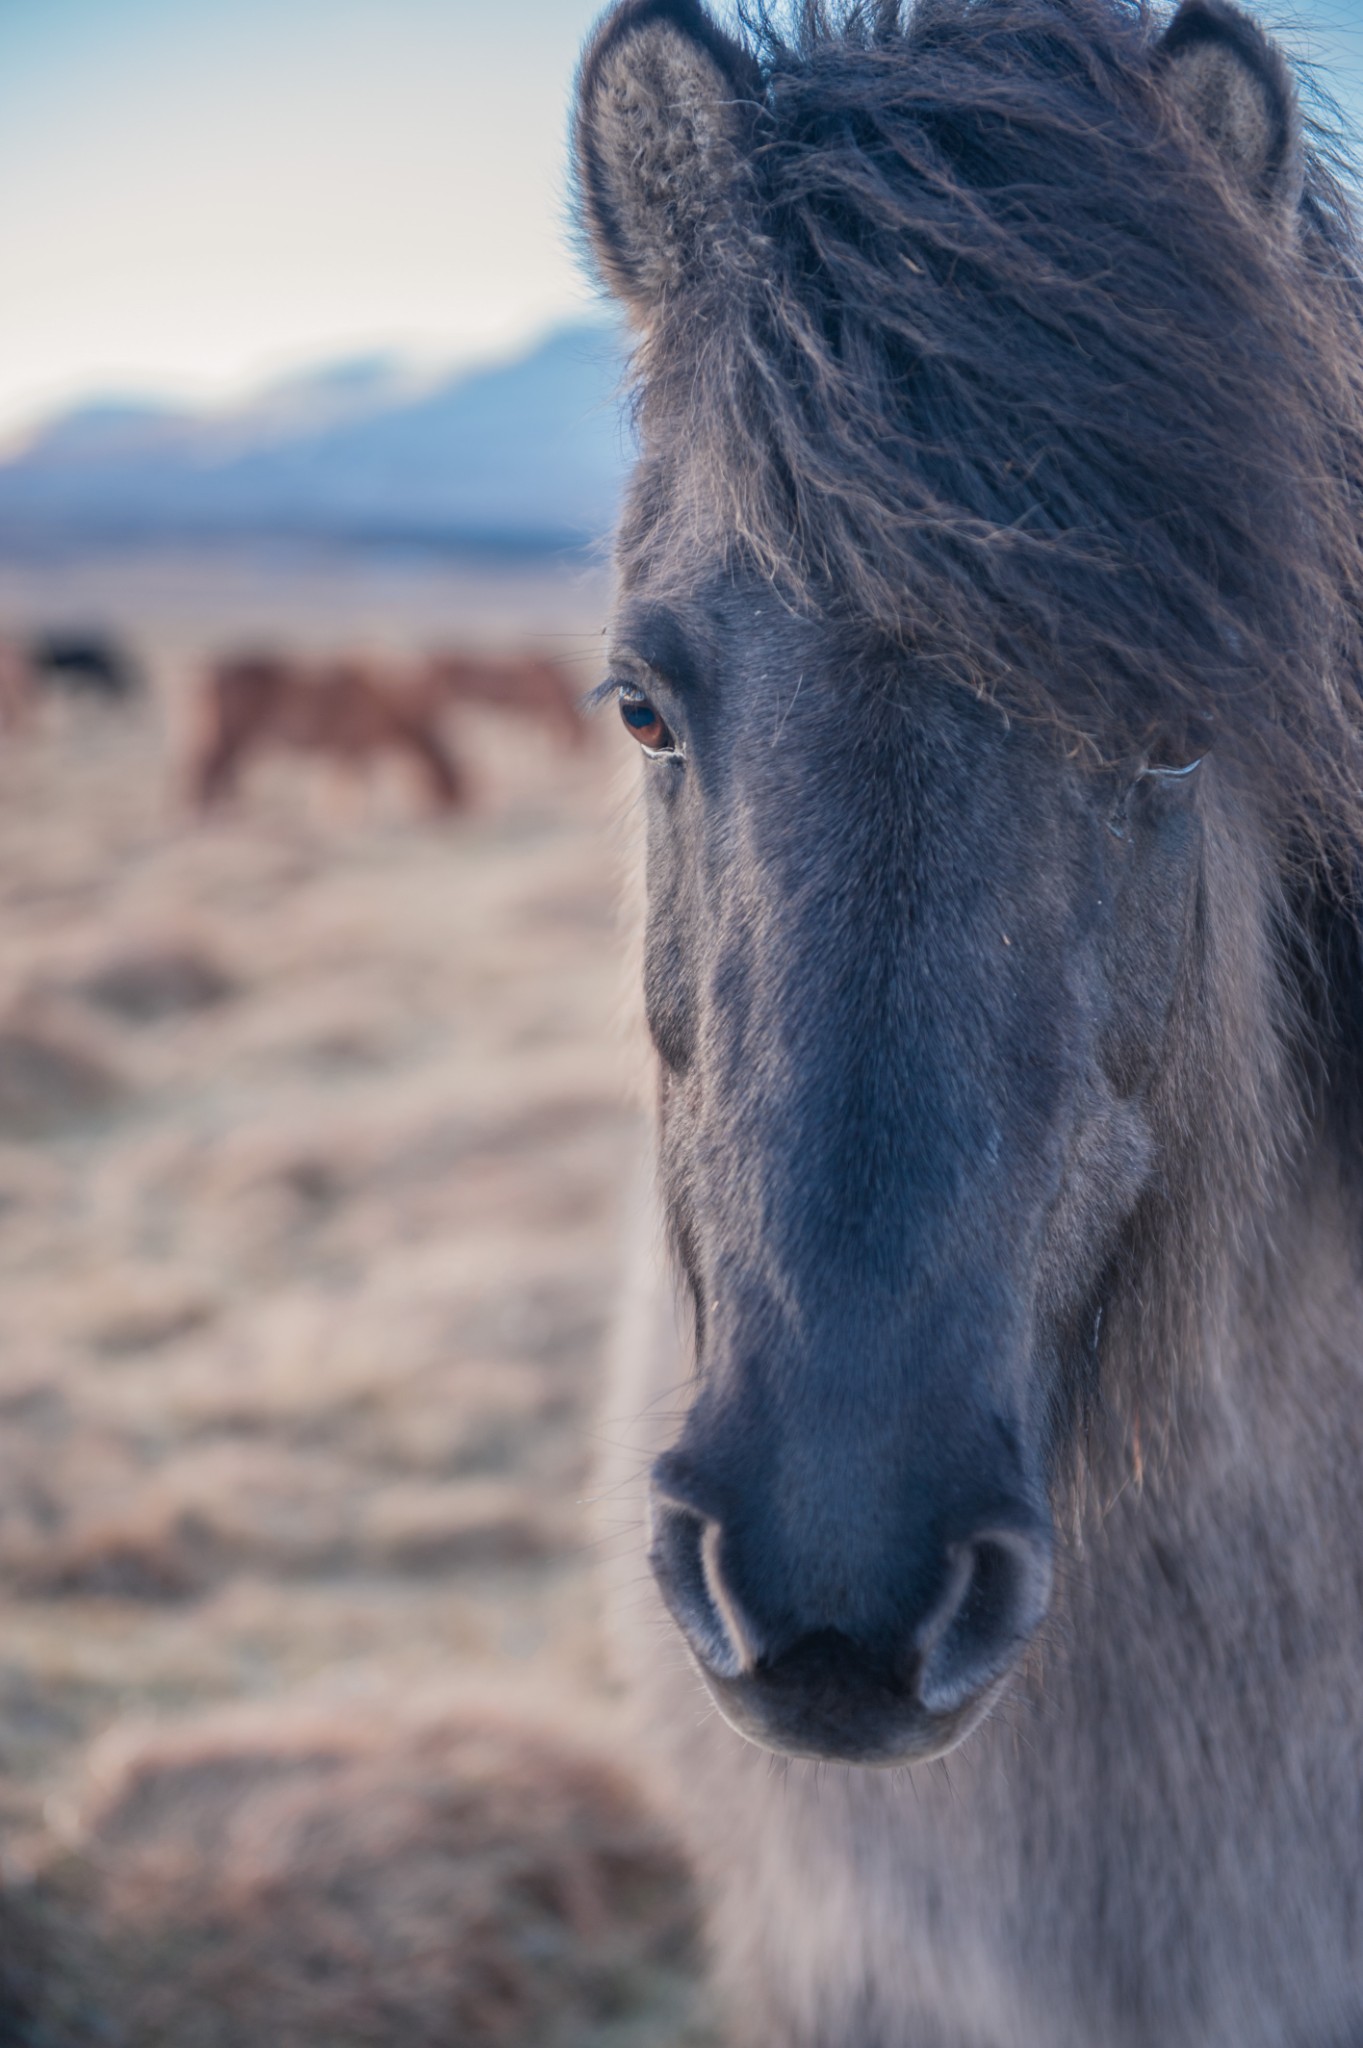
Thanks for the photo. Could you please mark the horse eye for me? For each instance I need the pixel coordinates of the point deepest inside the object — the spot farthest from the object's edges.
(644, 722)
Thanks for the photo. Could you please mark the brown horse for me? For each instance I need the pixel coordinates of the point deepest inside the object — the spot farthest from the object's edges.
(345, 709)
(529, 684)
(16, 688)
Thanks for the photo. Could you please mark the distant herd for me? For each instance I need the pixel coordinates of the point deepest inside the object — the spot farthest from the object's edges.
(350, 709)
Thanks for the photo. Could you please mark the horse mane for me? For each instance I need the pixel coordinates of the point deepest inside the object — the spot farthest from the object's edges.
(995, 362)
(1011, 376)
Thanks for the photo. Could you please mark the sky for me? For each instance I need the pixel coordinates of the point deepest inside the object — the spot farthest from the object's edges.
(198, 195)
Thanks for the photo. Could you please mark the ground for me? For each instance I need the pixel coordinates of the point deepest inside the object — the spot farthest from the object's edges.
(313, 1136)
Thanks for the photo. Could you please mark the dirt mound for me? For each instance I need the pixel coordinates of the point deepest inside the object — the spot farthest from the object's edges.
(149, 985)
(50, 1083)
(240, 1508)
(151, 1556)
(446, 1884)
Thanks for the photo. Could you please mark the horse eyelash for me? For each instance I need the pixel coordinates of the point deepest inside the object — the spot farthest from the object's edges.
(602, 694)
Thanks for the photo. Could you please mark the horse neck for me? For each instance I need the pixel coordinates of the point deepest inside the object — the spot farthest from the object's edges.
(1292, 1351)
(1238, 1325)
(1249, 1467)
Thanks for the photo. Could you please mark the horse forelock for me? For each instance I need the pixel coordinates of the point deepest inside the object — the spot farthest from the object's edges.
(1011, 378)
(1007, 374)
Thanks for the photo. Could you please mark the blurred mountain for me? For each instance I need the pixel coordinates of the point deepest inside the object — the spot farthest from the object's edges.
(524, 456)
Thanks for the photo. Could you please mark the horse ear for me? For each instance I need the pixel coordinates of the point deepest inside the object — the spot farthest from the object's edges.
(665, 101)
(1234, 86)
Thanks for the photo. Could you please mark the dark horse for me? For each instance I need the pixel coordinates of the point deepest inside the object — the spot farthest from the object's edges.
(85, 664)
(991, 584)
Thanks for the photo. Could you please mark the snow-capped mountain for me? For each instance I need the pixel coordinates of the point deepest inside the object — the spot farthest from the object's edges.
(525, 455)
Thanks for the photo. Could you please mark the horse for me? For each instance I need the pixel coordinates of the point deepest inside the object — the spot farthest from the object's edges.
(16, 688)
(988, 625)
(529, 684)
(85, 664)
(342, 708)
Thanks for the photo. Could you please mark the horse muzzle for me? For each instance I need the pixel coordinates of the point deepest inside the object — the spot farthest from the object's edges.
(806, 1677)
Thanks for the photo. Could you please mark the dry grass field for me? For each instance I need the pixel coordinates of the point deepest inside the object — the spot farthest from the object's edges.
(312, 1138)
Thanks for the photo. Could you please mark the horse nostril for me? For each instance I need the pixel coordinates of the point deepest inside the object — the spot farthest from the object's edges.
(684, 1554)
(996, 1594)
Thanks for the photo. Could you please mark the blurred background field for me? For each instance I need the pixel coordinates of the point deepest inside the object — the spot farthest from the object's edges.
(313, 1134)
(312, 1140)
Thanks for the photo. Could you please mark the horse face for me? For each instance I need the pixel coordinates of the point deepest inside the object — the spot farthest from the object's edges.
(908, 972)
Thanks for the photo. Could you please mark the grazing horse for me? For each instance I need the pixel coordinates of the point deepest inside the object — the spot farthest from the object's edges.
(989, 624)
(529, 684)
(343, 709)
(85, 664)
(16, 688)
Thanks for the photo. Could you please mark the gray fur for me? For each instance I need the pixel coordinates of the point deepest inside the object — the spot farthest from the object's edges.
(1233, 87)
(1155, 1841)
(657, 144)
(907, 860)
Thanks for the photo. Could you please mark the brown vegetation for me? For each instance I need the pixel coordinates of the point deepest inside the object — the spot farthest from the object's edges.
(429, 1880)
(308, 1220)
